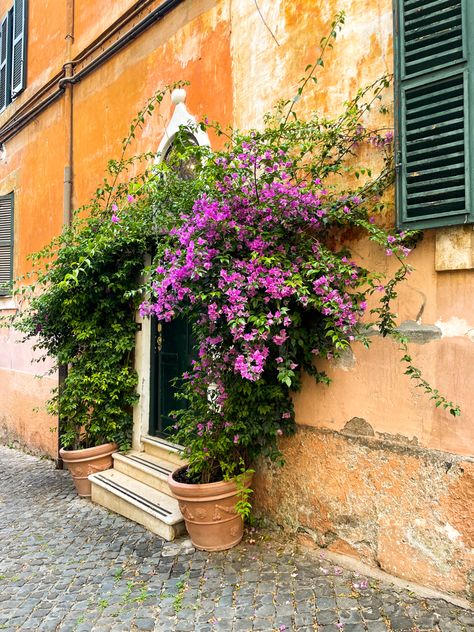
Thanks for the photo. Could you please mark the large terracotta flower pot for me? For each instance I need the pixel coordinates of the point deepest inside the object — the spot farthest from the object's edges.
(209, 512)
(81, 463)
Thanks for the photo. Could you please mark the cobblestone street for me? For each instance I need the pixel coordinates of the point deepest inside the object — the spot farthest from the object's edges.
(68, 565)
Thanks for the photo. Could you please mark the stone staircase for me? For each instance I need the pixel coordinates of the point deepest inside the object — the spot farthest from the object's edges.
(137, 487)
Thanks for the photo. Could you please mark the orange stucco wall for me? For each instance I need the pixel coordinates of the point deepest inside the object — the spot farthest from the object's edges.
(47, 28)
(192, 43)
(91, 20)
(122, 85)
(237, 72)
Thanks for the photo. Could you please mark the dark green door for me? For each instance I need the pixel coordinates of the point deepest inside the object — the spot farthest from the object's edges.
(171, 355)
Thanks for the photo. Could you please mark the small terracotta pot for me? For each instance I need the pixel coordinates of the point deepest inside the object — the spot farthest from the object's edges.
(209, 512)
(81, 463)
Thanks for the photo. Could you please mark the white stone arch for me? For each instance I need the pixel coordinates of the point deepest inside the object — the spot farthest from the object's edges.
(141, 412)
(181, 118)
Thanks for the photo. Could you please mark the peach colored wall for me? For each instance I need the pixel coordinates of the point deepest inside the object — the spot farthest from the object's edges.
(91, 19)
(47, 28)
(24, 389)
(21, 423)
(37, 155)
(403, 509)
(264, 71)
(371, 422)
(370, 383)
(34, 161)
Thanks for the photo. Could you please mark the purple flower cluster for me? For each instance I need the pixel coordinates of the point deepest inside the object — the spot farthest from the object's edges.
(248, 260)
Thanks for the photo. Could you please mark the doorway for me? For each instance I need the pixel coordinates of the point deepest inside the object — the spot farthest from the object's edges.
(172, 344)
(172, 348)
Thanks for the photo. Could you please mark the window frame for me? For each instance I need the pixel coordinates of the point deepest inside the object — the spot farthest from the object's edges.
(21, 39)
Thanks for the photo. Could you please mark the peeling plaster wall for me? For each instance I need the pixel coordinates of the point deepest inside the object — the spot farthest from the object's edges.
(33, 169)
(401, 495)
(374, 470)
(380, 498)
(190, 43)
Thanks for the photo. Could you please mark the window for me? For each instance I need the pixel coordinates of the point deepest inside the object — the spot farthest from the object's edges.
(434, 101)
(185, 167)
(6, 243)
(13, 52)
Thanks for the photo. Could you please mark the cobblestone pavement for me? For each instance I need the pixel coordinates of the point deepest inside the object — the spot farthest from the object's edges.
(67, 565)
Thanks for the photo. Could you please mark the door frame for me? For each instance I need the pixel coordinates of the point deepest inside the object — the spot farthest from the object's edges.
(141, 410)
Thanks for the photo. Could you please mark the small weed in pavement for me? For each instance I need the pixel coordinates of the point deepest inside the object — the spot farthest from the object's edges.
(118, 573)
(103, 603)
(178, 599)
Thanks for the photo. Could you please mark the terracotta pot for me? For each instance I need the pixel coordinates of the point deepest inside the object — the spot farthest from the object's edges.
(209, 512)
(81, 463)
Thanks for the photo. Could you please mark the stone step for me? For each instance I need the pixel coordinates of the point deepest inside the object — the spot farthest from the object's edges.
(163, 450)
(136, 501)
(145, 468)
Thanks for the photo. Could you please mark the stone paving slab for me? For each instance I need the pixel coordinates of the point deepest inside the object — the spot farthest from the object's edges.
(69, 566)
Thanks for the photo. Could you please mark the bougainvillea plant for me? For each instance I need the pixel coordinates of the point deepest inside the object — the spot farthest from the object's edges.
(251, 250)
(253, 265)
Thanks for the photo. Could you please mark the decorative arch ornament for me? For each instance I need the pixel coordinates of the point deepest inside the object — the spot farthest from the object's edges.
(180, 118)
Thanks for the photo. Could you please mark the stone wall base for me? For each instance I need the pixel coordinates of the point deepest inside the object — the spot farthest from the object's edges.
(393, 505)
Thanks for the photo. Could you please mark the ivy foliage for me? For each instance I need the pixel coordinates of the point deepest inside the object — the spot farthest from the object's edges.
(84, 318)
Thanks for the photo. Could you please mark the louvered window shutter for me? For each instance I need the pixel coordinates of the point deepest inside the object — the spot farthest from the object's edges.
(6, 242)
(18, 65)
(4, 87)
(432, 96)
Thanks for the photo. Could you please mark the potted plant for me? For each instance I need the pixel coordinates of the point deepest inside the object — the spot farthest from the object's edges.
(86, 461)
(213, 490)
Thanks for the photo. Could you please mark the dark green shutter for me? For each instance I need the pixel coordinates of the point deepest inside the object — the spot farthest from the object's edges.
(432, 104)
(18, 65)
(5, 47)
(6, 242)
